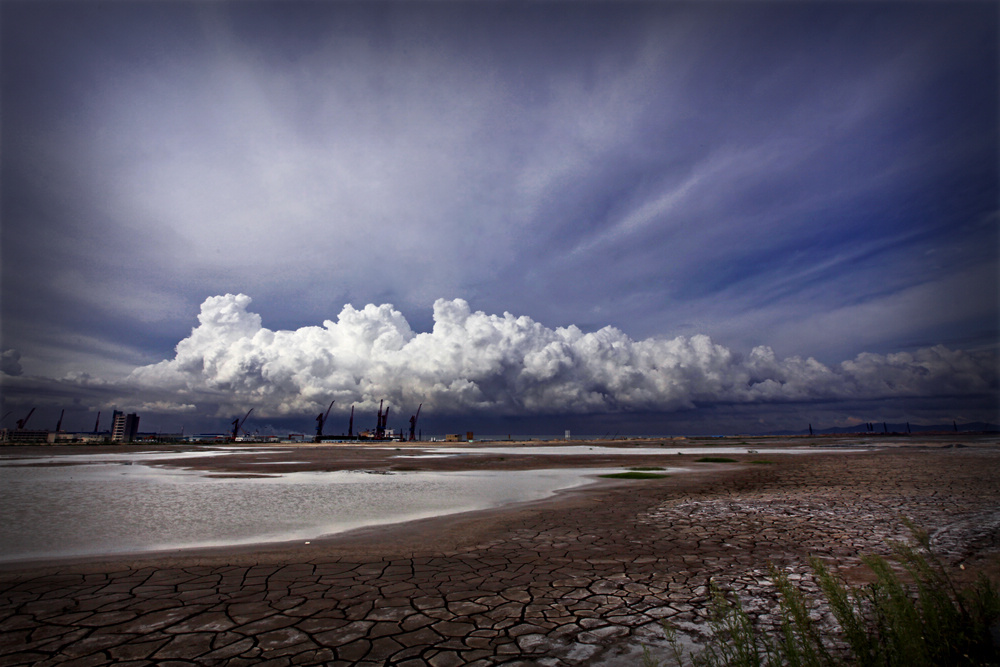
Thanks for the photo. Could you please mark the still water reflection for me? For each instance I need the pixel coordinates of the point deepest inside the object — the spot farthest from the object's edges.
(126, 505)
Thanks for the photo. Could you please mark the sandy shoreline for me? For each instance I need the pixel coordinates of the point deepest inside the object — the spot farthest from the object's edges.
(578, 578)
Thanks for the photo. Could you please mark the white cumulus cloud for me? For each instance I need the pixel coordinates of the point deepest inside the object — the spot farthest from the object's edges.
(509, 365)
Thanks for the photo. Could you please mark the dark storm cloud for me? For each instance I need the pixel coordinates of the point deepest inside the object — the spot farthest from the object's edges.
(10, 362)
(820, 178)
(472, 364)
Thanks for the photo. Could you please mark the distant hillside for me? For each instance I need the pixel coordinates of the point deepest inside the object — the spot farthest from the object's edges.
(975, 427)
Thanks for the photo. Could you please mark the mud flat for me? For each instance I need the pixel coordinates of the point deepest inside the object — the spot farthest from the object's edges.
(581, 578)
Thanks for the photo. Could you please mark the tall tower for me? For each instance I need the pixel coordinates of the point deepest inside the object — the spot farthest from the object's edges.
(124, 427)
(117, 426)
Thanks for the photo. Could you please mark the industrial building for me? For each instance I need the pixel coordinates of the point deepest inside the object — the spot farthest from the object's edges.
(124, 427)
(40, 437)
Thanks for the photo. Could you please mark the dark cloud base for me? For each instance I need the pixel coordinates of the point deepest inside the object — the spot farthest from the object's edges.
(506, 374)
(704, 421)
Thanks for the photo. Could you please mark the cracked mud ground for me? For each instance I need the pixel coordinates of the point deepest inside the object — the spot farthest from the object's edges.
(582, 579)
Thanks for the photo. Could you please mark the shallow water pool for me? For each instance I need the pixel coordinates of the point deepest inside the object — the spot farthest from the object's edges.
(127, 505)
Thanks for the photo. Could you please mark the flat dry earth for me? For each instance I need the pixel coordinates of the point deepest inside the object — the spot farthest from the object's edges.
(582, 578)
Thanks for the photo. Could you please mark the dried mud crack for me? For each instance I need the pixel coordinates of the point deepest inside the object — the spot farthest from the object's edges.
(582, 579)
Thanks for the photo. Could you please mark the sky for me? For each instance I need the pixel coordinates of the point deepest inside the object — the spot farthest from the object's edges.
(651, 217)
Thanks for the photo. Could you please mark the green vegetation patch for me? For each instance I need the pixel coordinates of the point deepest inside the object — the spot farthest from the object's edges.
(633, 474)
(912, 614)
(647, 468)
(762, 462)
(715, 459)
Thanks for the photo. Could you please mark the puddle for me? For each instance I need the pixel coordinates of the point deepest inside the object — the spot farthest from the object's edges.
(128, 458)
(102, 508)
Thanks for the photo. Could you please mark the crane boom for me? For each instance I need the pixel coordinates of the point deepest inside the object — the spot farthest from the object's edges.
(238, 423)
(21, 422)
(413, 423)
(321, 419)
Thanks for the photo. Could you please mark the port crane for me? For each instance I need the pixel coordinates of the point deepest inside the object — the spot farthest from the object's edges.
(413, 423)
(320, 420)
(238, 424)
(381, 421)
(21, 422)
(380, 424)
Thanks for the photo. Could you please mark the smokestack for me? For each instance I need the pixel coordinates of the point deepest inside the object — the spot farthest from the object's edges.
(98, 422)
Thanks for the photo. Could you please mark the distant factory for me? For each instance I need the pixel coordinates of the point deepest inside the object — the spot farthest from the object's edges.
(124, 429)
(381, 432)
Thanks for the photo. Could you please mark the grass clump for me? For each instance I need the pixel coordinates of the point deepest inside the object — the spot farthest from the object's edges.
(647, 468)
(912, 615)
(633, 474)
(762, 462)
(715, 459)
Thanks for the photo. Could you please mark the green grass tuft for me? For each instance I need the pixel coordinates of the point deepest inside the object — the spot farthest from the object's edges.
(762, 462)
(647, 468)
(715, 459)
(916, 617)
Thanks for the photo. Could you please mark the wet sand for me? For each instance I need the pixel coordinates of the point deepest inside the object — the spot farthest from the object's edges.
(581, 578)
